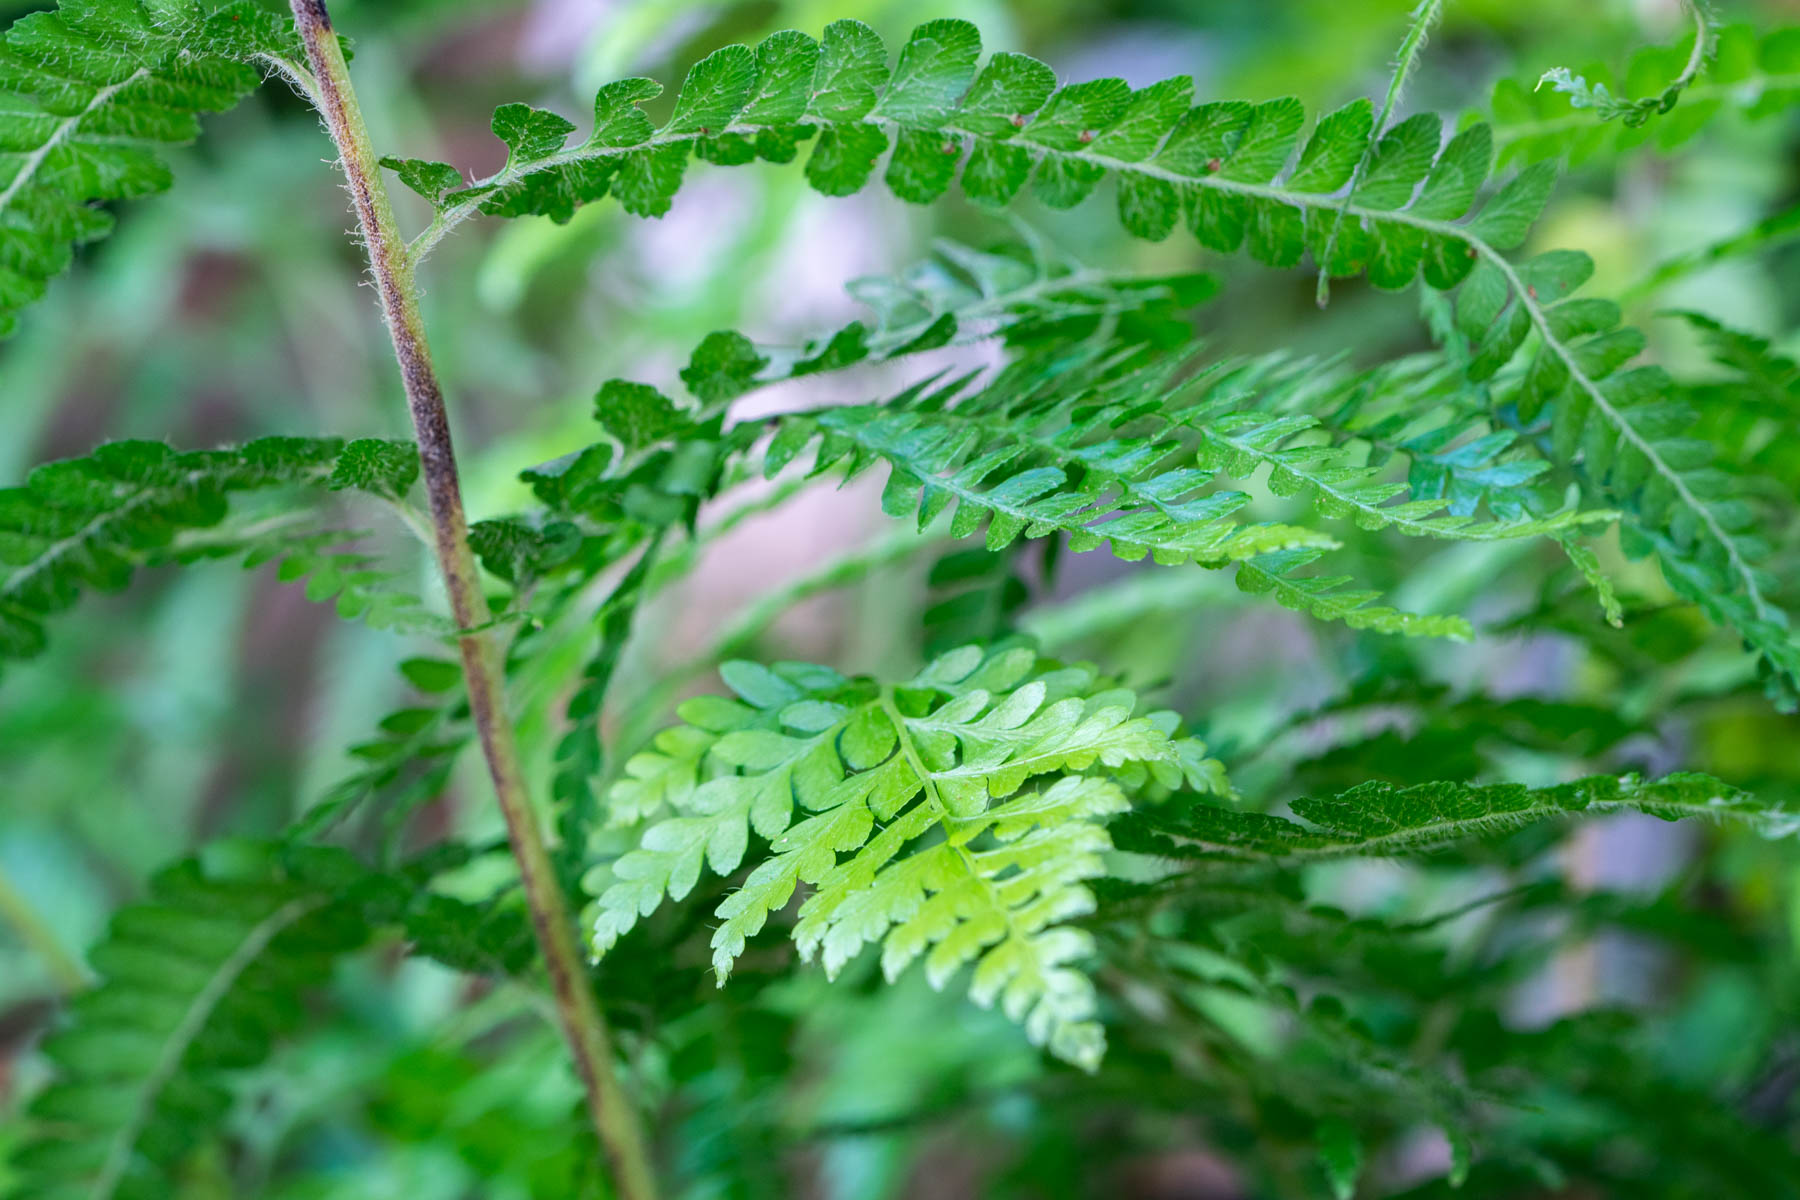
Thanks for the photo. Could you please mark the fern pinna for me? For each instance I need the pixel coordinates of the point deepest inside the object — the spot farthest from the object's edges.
(1282, 882)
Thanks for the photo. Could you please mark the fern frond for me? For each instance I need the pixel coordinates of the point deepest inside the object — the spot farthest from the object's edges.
(1752, 73)
(1379, 819)
(960, 294)
(93, 94)
(196, 982)
(1216, 163)
(876, 767)
(89, 523)
(1631, 113)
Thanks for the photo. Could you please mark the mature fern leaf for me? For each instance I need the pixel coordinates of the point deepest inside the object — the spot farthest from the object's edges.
(196, 982)
(875, 768)
(1631, 434)
(90, 522)
(1120, 456)
(1216, 164)
(1379, 819)
(93, 92)
(1756, 74)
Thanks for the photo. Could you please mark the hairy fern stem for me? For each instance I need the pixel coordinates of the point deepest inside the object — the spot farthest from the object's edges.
(583, 1026)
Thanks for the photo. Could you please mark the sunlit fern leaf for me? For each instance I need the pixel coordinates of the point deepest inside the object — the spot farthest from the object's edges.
(196, 982)
(1754, 73)
(94, 93)
(1379, 819)
(873, 768)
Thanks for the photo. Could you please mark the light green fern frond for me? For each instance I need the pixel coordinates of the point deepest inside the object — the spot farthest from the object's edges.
(874, 768)
(93, 93)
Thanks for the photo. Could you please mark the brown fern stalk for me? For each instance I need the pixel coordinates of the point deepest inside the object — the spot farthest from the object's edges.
(614, 1119)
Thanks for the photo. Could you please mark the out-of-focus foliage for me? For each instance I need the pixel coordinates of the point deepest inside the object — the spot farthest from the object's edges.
(1267, 901)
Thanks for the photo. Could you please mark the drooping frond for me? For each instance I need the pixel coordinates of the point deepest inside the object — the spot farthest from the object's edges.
(197, 981)
(1631, 434)
(1752, 73)
(875, 769)
(1378, 819)
(89, 523)
(1224, 165)
(94, 93)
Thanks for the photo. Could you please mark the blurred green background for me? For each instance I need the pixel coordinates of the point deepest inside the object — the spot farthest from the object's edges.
(213, 701)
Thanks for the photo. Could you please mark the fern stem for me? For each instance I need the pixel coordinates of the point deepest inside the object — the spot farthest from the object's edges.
(18, 912)
(1423, 17)
(614, 1120)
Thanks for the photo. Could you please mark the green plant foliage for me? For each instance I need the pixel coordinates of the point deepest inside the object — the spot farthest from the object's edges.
(945, 753)
(1214, 166)
(197, 981)
(89, 523)
(96, 92)
(1380, 820)
(1756, 73)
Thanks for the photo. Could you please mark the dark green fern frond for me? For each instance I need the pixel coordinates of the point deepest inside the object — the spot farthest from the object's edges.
(93, 94)
(196, 982)
(1378, 819)
(1006, 123)
(88, 523)
(1752, 73)
(876, 768)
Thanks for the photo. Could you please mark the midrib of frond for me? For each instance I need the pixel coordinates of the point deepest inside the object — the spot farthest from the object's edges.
(64, 130)
(945, 820)
(193, 1021)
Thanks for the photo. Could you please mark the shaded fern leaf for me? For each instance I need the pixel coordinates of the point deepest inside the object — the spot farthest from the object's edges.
(1633, 436)
(89, 523)
(1753, 73)
(869, 770)
(94, 93)
(196, 982)
(1379, 819)
(1121, 455)
(956, 295)
(1213, 167)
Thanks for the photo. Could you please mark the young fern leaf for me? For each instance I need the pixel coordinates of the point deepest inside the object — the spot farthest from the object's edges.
(1380, 820)
(197, 981)
(91, 522)
(1753, 73)
(94, 92)
(1633, 113)
(876, 768)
